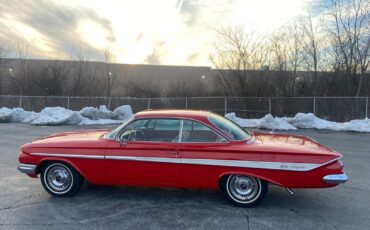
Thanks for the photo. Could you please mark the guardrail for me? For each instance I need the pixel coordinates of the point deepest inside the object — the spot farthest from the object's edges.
(331, 108)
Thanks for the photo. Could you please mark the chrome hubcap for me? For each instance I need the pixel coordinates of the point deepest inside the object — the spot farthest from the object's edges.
(59, 178)
(243, 188)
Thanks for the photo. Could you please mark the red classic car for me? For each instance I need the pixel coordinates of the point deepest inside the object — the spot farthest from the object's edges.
(183, 149)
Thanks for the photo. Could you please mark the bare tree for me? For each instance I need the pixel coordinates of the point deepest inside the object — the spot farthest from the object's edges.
(3, 51)
(278, 46)
(20, 71)
(311, 50)
(192, 86)
(3, 55)
(50, 80)
(348, 24)
(142, 88)
(78, 76)
(237, 52)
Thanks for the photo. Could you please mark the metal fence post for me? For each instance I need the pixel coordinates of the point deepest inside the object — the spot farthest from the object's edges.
(366, 106)
(270, 105)
(67, 102)
(186, 102)
(20, 101)
(314, 105)
(148, 103)
(225, 106)
(110, 98)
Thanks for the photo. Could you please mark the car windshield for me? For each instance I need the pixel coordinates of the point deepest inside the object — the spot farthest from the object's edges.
(112, 134)
(229, 127)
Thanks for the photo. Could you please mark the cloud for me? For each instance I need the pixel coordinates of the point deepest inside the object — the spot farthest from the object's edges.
(190, 12)
(192, 57)
(179, 32)
(56, 23)
(155, 57)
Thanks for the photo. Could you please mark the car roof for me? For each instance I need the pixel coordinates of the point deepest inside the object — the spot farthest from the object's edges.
(168, 113)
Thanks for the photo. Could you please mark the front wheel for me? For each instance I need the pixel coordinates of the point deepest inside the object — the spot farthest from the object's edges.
(60, 179)
(244, 190)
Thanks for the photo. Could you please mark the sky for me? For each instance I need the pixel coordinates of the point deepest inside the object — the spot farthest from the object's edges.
(166, 32)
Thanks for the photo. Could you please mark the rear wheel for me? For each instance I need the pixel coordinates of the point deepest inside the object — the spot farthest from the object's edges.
(244, 190)
(60, 179)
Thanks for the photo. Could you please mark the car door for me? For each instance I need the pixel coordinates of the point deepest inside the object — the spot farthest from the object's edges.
(200, 147)
(147, 154)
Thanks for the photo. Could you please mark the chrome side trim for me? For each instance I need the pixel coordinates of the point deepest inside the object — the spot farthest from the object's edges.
(326, 163)
(253, 164)
(148, 159)
(178, 118)
(336, 178)
(229, 163)
(27, 168)
(68, 155)
(124, 158)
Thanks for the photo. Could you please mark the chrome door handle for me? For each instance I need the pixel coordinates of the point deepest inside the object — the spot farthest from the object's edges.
(173, 153)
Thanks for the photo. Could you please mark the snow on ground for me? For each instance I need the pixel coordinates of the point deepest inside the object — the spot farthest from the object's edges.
(61, 116)
(300, 120)
(103, 116)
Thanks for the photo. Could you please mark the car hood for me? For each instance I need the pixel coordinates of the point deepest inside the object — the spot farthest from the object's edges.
(76, 139)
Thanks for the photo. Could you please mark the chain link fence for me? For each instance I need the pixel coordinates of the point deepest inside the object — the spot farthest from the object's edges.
(330, 108)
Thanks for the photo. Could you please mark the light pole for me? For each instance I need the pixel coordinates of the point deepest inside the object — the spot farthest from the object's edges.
(109, 77)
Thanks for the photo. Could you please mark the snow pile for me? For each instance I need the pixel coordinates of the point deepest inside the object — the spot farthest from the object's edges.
(120, 113)
(56, 116)
(16, 115)
(19, 115)
(300, 120)
(102, 116)
(123, 112)
(96, 114)
(267, 122)
(5, 115)
(309, 120)
(61, 116)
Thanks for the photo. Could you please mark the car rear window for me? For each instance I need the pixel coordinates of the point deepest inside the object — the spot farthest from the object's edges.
(229, 127)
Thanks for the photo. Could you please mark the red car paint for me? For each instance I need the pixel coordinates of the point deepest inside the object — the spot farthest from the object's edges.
(95, 157)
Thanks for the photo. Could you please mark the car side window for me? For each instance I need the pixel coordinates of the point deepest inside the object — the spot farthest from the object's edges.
(125, 135)
(156, 130)
(193, 131)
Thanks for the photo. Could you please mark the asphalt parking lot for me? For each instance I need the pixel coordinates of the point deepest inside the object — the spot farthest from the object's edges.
(25, 205)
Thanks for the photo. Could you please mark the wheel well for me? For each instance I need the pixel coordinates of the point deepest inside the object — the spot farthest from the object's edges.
(223, 178)
(48, 162)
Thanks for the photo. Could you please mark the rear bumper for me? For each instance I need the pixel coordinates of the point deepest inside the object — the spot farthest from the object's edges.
(336, 178)
(27, 168)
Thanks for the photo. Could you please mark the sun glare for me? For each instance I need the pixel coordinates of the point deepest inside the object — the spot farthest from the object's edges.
(92, 33)
(176, 31)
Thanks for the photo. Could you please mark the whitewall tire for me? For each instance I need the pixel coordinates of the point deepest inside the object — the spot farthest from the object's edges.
(243, 190)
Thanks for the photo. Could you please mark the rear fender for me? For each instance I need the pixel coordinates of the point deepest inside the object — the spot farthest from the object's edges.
(251, 175)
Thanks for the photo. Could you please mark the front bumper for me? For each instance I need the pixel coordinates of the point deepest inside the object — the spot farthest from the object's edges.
(27, 168)
(336, 178)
